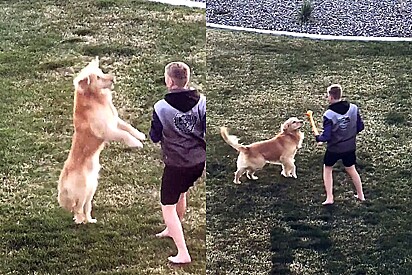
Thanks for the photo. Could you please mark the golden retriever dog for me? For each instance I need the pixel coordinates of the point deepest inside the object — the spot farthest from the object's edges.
(278, 150)
(96, 122)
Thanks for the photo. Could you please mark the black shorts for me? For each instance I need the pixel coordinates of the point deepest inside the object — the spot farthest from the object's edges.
(177, 180)
(348, 158)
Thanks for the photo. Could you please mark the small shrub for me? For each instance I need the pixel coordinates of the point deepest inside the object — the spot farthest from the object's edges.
(305, 11)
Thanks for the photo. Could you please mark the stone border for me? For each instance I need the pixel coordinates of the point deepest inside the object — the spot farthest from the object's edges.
(187, 3)
(312, 36)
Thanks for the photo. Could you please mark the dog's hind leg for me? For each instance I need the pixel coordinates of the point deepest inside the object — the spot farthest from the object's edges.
(88, 211)
(239, 172)
(88, 205)
(78, 209)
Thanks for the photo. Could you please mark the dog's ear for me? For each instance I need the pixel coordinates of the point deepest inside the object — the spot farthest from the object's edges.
(83, 84)
(285, 126)
(95, 62)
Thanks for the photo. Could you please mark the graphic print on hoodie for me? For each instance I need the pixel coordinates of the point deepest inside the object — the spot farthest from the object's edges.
(341, 123)
(179, 123)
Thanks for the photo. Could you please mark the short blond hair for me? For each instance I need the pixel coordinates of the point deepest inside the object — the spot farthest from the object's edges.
(335, 91)
(179, 72)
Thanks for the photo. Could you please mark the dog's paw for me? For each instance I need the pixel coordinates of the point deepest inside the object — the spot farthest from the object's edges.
(136, 144)
(142, 136)
(251, 176)
(236, 182)
(139, 135)
(78, 220)
(91, 220)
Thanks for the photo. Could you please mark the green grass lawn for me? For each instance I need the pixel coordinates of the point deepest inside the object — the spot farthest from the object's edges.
(277, 225)
(41, 42)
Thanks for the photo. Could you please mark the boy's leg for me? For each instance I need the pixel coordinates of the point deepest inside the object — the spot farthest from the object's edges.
(174, 226)
(181, 210)
(356, 181)
(181, 206)
(328, 182)
(174, 206)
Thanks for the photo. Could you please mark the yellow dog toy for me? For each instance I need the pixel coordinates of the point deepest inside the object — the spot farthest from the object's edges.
(312, 122)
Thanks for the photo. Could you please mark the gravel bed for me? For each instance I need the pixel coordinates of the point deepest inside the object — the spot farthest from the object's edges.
(378, 18)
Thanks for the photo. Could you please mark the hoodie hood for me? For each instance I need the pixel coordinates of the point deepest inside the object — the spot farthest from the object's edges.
(341, 107)
(183, 100)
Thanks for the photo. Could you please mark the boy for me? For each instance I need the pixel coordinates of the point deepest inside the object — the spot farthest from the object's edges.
(341, 123)
(179, 123)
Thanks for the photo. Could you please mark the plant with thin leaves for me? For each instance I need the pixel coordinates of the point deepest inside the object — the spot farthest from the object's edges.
(305, 11)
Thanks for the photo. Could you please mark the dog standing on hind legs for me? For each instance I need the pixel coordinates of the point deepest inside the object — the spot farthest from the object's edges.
(96, 122)
(278, 150)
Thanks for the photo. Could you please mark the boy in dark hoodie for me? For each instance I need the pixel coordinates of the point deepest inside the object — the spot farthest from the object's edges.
(179, 124)
(341, 123)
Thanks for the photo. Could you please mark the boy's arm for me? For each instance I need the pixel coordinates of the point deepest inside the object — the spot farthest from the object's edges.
(156, 128)
(327, 131)
(204, 124)
(359, 123)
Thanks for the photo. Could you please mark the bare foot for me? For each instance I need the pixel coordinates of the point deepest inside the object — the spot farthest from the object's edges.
(361, 198)
(327, 202)
(178, 259)
(164, 233)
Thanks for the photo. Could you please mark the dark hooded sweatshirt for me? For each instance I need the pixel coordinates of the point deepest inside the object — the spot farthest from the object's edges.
(179, 123)
(341, 123)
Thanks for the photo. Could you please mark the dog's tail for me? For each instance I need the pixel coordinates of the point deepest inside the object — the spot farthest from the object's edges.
(232, 140)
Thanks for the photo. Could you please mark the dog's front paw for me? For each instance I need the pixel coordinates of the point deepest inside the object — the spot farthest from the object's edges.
(136, 143)
(91, 220)
(251, 176)
(139, 135)
(78, 219)
(142, 136)
(236, 181)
